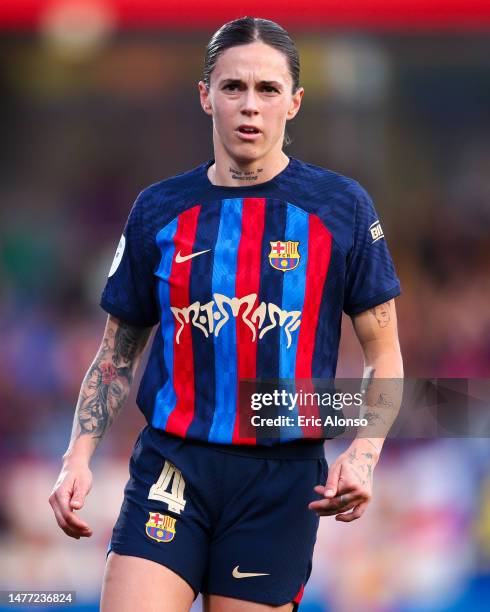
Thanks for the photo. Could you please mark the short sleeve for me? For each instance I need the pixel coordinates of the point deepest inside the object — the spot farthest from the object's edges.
(370, 273)
(129, 293)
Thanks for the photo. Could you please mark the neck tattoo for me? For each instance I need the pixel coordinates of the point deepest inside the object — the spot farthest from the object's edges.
(248, 175)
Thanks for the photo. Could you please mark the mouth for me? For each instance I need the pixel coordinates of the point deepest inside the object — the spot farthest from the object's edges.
(248, 132)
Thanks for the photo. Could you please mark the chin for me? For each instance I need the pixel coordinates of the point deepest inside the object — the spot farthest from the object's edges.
(246, 154)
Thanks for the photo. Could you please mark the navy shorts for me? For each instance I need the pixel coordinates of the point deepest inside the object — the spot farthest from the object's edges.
(231, 521)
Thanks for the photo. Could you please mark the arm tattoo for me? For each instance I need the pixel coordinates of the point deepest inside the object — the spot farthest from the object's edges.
(352, 456)
(373, 417)
(107, 383)
(126, 343)
(382, 399)
(382, 314)
(362, 467)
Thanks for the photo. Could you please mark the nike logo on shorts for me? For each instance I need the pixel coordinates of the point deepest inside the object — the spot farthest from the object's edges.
(181, 258)
(237, 574)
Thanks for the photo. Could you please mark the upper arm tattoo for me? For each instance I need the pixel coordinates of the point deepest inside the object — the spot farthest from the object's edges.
(382, 314)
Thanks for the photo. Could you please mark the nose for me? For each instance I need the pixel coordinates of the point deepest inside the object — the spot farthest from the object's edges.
(250, 106)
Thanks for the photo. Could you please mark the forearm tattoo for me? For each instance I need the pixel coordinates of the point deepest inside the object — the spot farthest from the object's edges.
(108, 381)
(382, 399)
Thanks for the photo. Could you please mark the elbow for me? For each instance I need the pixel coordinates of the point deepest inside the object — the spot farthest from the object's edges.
(386, 362)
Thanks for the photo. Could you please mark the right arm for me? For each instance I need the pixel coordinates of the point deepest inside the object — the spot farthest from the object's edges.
(104, 390)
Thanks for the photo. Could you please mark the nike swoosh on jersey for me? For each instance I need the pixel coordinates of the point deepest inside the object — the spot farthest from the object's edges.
(181, 258)
(237, 574)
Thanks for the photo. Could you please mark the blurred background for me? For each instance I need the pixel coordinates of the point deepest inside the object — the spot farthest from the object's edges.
(98, 99)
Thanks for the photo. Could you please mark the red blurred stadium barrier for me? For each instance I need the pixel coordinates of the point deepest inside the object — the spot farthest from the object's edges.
(455, 15)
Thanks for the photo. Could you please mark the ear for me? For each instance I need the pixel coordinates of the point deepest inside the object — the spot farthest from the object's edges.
(295, 103)
(204, 98)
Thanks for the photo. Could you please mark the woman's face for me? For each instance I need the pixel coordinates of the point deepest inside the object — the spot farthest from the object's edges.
(250, 99)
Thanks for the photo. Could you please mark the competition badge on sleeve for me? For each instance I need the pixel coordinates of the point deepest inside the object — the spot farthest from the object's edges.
(160, 527)
(118, 256)
(284, 255)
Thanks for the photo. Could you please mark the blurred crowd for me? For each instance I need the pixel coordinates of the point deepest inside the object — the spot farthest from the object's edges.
(82, 136)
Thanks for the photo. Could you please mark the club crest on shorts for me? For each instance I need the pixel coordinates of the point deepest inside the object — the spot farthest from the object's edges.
(284, 255)
(160, 527)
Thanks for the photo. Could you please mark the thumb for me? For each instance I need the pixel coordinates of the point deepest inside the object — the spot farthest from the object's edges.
(332, 482)
(78, 497)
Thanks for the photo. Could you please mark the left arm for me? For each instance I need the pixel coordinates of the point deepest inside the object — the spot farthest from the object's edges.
(349, 483)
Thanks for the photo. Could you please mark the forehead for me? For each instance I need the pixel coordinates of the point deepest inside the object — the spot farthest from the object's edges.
(257, 60)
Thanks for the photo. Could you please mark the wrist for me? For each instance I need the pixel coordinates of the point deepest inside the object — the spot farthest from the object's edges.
(73, 457)
(71, 461)
(371, 446)
(79, 451)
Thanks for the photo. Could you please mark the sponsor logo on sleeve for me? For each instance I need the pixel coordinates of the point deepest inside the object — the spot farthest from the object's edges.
(376, 231)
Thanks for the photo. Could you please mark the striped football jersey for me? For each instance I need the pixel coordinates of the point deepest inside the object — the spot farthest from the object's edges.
(245, 283)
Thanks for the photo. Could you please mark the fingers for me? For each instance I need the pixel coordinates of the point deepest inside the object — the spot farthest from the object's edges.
(62, 523)
(354, 515)
(64, 500)
(331, 486)
(80, 491)
(348, 487)
(339, 503)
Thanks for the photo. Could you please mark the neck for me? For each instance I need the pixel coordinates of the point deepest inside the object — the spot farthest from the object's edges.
(229, 172)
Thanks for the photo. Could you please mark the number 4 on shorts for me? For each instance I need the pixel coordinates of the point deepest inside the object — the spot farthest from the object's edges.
(169, 488)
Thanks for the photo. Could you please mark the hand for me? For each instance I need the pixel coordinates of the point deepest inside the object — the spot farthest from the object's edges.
(69, 492)
(349, 484)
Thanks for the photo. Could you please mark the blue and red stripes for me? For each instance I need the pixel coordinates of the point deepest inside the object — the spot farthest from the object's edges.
(175, 402)
(209, 339)
(319, 253)
(181, 416)
(201, 291)
(166, 398)
(225, 342)
(248, 283)
(293, 296)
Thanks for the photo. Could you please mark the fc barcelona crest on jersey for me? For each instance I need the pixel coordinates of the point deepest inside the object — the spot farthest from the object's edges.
(160, 527)
(284, 255)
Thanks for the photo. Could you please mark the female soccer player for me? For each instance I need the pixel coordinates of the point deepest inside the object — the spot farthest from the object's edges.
(246, 263)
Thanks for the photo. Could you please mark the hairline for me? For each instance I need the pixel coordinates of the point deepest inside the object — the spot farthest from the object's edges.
(244, 44)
